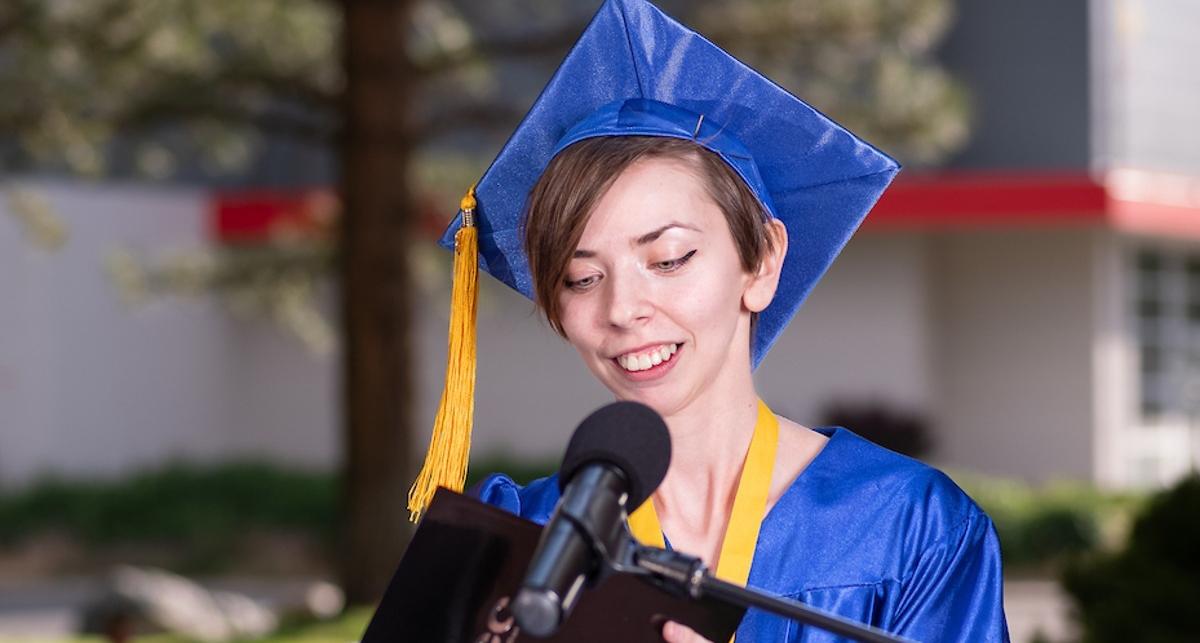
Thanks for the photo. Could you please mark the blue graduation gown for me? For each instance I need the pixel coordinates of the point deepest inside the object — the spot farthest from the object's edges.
(862, 532)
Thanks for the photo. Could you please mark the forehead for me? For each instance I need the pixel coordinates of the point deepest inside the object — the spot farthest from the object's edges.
(648, 194)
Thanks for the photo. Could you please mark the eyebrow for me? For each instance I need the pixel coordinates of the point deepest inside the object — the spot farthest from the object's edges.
(649, 237)
(652, 236)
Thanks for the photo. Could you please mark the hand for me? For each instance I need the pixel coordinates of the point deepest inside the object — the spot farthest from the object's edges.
(673, 632)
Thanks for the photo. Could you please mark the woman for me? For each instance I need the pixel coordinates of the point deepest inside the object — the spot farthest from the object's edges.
(671, 230)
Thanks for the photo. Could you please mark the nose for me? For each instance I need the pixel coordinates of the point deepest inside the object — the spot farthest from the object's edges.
(628, 301)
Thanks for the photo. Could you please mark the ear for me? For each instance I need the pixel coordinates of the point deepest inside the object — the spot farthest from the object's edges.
(760, 290)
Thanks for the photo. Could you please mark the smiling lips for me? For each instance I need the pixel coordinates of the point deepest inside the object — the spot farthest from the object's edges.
(646, 359)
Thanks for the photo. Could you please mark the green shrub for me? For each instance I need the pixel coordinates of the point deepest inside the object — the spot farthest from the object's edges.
(1150, 589)
(180, 502)
(521, 470)
(1042, 527)
(205, 508)
(197, 505)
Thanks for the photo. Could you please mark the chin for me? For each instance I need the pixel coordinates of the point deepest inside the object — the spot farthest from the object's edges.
(663, 401)
(666, 396)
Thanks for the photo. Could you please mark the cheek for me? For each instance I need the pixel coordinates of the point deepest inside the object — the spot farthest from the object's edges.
(575, 316)
(709, 298)
(713, 314)
(583, 334)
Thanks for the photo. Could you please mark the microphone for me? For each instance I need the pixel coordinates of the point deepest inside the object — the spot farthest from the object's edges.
(617, 457)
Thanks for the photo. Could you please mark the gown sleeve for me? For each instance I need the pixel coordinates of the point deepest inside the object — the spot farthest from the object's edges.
(498, 490)
(955, 591)
(534, 501)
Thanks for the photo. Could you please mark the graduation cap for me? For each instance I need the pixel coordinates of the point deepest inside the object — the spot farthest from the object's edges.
(636, 71)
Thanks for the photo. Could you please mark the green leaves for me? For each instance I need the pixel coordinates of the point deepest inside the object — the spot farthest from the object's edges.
(80, 74)
(865, 63)
(1148, 590)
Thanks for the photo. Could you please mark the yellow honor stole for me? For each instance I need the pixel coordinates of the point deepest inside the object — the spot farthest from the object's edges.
(749, 505)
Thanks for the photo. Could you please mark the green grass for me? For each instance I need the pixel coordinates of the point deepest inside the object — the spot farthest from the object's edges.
(347, 627)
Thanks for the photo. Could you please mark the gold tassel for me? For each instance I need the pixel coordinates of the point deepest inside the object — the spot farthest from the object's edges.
(450, 446)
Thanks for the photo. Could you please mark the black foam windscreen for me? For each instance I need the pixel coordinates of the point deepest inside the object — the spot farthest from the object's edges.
(627, 435)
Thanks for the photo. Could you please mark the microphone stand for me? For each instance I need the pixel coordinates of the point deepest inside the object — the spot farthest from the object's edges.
(618, 551)
(687, 574)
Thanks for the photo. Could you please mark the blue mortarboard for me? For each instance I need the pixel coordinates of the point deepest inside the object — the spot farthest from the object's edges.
(636, 71)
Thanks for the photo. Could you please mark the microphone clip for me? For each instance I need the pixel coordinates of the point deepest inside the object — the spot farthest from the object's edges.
(676, 571)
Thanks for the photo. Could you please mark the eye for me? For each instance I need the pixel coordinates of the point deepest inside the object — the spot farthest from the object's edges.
(581, 285)
(671, 265)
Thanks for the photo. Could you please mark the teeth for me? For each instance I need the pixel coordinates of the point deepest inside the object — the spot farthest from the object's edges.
(649, 359)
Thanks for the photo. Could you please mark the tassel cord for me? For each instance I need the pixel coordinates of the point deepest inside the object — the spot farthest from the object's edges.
(449, 446)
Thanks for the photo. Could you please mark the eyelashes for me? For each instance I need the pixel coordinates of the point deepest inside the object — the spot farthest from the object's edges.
(672, 265)
(667, 266)
(580, 285)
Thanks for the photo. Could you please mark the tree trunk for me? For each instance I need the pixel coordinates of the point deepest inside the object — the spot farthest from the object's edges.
(375, 290)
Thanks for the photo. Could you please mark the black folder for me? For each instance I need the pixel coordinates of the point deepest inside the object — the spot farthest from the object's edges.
(467, 560)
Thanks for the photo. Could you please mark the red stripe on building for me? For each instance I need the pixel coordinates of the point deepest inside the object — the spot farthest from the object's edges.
(257, 215)
(967, 200)
(933, 202)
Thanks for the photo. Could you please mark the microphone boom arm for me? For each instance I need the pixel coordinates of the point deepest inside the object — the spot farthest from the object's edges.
(688, 574)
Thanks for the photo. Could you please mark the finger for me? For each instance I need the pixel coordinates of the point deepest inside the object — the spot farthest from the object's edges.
(675, 633)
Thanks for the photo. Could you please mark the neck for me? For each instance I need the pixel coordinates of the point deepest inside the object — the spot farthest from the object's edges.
(709, 440)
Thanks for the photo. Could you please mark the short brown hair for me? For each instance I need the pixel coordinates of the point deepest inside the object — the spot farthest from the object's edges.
(563, 198)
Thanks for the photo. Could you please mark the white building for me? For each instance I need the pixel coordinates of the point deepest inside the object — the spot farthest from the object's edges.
(1047, 328)
(1044, 324)
(1040, 304)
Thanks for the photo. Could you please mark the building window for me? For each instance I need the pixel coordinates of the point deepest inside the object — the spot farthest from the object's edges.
(1166, 308)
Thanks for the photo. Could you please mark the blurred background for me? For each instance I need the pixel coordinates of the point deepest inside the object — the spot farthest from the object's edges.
(223, 313)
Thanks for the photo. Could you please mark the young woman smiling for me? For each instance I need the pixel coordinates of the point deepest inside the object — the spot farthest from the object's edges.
(668, 209)
(652, 258)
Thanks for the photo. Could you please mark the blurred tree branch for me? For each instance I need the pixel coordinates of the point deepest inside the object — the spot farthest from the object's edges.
(535, 45)
(83, 74)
